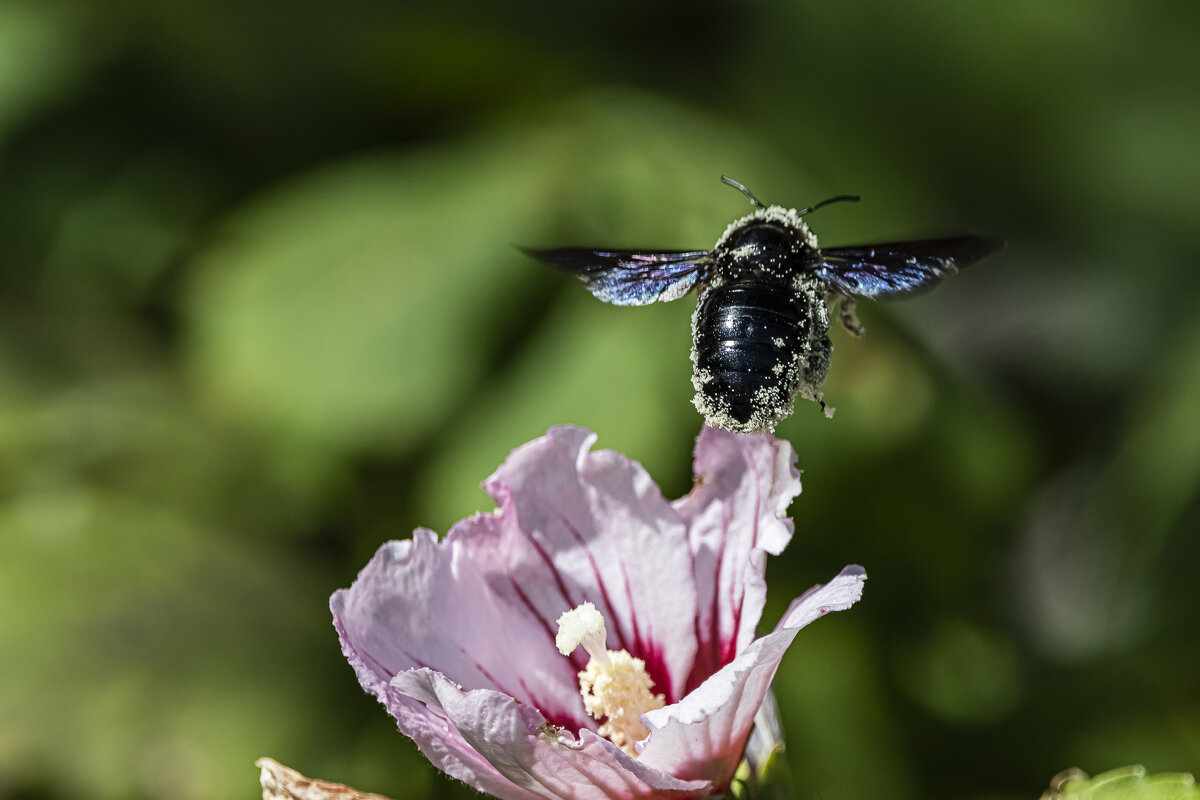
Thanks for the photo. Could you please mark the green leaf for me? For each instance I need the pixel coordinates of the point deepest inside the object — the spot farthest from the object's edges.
(41, 58)
(1126, 783)
(341, 307)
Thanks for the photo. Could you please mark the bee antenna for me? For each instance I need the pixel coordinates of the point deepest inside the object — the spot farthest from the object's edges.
(728, 181)
(853, 198)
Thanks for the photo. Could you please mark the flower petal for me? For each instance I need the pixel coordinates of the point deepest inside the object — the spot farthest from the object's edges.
(578, 525)
(702, 736)
(537, 758)
(423, 603)
(681, 586)
(434, 736)
(735, 516)
(838, 595)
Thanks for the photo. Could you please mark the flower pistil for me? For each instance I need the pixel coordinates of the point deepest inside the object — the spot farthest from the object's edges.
(615, 685)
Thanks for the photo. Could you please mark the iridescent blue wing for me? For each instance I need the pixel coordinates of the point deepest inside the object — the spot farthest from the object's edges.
(899, 269)
(631, 277)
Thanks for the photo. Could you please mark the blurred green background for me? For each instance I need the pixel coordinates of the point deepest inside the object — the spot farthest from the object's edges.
(261, 311)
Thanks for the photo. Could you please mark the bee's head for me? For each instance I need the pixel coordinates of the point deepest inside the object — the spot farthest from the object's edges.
(771, 237)
(764, 240)
(761, 239)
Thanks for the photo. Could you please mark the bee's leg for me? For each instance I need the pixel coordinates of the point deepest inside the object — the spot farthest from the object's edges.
(814, 365)
(850, 318)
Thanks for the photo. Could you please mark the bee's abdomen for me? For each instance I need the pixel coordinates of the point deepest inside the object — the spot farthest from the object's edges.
(748, 341)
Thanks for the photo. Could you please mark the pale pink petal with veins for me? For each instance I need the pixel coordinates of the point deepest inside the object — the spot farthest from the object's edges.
(736, 516)
(456, 637)
(691, 738)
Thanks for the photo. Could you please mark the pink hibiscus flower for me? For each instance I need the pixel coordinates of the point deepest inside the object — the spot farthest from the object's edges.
(457, 637)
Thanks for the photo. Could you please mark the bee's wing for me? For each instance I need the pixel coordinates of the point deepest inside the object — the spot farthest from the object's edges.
(631, 277)
(899, 269)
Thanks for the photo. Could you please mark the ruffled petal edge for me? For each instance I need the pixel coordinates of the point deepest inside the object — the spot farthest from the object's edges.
(703, 736)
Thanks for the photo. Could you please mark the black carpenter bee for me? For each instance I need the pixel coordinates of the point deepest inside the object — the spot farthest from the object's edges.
(760, 329)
